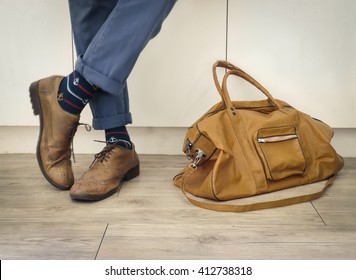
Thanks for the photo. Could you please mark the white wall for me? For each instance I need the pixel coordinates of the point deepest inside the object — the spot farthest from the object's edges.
(35, 42)
(301, 50)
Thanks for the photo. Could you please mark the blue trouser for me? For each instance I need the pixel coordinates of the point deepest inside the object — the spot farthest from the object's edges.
(109, 36)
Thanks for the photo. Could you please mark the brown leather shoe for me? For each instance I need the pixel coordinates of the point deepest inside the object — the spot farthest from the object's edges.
(110, 167)
(57, 129)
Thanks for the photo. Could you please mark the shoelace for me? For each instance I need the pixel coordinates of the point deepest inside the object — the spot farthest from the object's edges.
(72, 133)
(104, 154)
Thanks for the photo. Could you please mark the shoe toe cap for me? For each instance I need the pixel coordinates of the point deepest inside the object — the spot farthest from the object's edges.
(61, 177)
(92, 189)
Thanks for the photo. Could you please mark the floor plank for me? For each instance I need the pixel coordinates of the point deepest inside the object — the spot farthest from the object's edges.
(50, 240)
(338, 204)
(227, 242)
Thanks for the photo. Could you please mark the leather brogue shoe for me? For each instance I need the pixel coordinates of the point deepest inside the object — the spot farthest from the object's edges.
(110, 167)
(57, 129)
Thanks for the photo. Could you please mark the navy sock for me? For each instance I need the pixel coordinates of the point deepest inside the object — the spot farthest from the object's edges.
(74, 93)
(118, 136)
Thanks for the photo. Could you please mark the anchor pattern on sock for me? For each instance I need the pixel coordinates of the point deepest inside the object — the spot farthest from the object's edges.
(75, 92)
(118, 136)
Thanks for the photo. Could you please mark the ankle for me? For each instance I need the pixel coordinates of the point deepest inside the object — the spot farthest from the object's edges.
(118, 136)
(74, 93)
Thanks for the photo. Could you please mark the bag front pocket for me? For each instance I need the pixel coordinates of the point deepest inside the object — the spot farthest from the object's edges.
(282, 155)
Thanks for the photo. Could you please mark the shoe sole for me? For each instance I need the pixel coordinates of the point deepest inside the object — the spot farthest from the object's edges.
(37, 111)
(131, 174)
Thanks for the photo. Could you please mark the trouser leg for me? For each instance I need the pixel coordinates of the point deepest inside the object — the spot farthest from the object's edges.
(87, 17)
(115, 48)
(111, 54)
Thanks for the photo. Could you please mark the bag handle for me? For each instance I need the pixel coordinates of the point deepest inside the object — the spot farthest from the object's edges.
(222, 64)
(253, 206)
(242, 74)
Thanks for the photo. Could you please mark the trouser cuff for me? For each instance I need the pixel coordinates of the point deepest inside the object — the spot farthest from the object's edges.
(112, 121)
(98, 79)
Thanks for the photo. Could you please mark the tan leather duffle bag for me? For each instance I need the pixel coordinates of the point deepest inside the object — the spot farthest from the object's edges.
(244, 149)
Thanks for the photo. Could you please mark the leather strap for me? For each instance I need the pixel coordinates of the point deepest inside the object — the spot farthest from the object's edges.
(223, 207)
(248, 78)
(234, 70)
(222, 64)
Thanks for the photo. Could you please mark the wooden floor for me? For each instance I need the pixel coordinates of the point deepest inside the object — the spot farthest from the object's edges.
(150, 219)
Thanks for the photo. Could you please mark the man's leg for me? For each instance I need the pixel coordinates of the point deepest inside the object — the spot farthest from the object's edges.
(106, 63)
(58, 126)
(87, 17)
(126, 31)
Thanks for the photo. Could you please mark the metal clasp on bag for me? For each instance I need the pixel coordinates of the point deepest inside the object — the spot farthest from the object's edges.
(200, 155)
(188, 146)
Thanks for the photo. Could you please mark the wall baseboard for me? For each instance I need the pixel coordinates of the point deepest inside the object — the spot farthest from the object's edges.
(148, 140)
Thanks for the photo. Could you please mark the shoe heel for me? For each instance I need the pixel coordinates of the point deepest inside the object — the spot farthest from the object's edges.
(132, 173)
(34, 98)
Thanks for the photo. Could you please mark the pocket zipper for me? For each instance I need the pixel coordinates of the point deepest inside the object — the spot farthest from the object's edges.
(280, 138)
